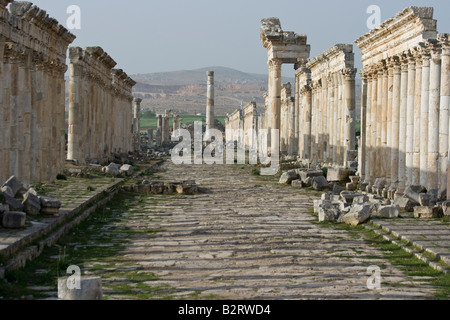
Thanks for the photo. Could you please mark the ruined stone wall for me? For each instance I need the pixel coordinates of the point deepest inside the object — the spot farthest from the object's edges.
(100, 109)
(326, 97)
(405, 136)
(233, 124)
(250, 125)
(33, 50)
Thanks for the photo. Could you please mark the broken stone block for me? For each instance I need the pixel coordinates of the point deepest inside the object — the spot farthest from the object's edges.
(360, 199)
(444, 205)
(329, 212)
(14, 204)
(427, 199)
(348, 197)
(320, 183)
(15, 184)
(288, 177)
(90, 288)
(14, 220)
(413, 192)
(338, 174)
(389, 212)
(157, 188)
(127, 170)
(50, 206)
(308, 182)
(337, 189)
(31, 204)
(355, 179)
(427, 212)
(319, 203)
(7, 190)
(187, 188)
(143, 188)
(297, 183)
(112, 169)
(304, 175)
(358, 214)
(351, 187)
(326, 196)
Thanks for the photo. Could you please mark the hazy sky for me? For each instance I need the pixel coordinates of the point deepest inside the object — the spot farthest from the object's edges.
(167, 35)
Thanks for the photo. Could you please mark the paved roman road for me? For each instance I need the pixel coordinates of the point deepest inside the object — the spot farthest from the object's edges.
(246, 238)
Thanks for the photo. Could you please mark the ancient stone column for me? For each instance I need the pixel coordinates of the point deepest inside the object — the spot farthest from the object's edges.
(417, 115)
(363, 147)
(374, 120)
(274, 99)
(210, 101)
(424, 117)
(433, 116)
(307, 134)
(444, 114)
(368, 181)
(396, 98)
(137, 123)
(402, 125)
(388, 150)
(384, 108)
(445, 109)
(292, 119)
(410, 118)
(350, 104)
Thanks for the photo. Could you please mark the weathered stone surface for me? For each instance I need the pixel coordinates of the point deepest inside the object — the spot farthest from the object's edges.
(360, 199)
(14, 204)
(50, 206)
(348, 196)
(7, 190)
(143, 188)
(337, 189)
(392, 211)
(304, 175)
(357, 215)
(90, 289)
(288, 177)
(112, 169)
(14, 220)
(427, 212)
(157, 188)
(329, 212)
(351, 186)
(127, 170)
(413, 192)
(15, 184)
(338, 174)
(406, 203)
(188, 187)
(320, 183)
(297, 183)
(320, 203)
(31, 204)
(427, 199)
(445, 208)
(308, 182)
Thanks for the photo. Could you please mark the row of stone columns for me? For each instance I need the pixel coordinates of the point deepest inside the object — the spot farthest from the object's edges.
(326, 99)
(32, 93)
(407, 119)
(101, 121)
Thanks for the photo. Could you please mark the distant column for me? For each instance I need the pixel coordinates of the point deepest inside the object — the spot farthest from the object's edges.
(350, 104)
(210, 101)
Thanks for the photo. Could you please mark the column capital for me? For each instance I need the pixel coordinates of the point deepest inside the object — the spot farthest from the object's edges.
(349, 73)
(275, 63)
(305, 89)
(363, 74)
(137, 100)
(443, 39)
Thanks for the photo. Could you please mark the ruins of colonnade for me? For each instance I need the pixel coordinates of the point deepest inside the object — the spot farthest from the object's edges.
(33, 50)
(405, 137)
(325, 91)
(404, 109)
(100, 114)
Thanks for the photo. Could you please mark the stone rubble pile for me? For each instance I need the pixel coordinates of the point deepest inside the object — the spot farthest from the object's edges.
(355, 208)
(147, 187)
(17, 202)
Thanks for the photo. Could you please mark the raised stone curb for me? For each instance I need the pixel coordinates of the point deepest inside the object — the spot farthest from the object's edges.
(52, 228)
